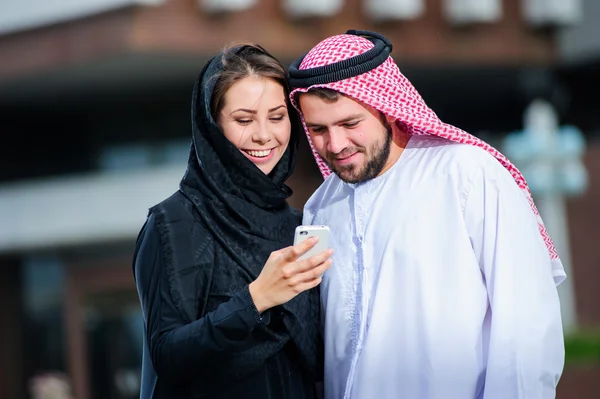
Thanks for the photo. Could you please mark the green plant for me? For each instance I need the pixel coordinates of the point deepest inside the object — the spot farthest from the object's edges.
(582, 347)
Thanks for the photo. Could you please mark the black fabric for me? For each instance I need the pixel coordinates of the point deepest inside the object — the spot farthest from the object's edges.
(194, 359)
(344, 69)
(215, 235)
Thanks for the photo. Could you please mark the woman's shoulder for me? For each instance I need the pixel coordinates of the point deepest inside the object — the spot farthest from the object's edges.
(175, 246)
(169, 215)
(172, 229)
(176, 208)
(175, 221)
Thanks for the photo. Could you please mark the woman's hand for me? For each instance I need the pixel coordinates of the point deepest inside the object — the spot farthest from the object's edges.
(284, 276)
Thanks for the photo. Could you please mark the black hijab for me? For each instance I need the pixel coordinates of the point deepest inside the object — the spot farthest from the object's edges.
(245, 210)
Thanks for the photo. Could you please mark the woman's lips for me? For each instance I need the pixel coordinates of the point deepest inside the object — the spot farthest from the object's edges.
(259, 156)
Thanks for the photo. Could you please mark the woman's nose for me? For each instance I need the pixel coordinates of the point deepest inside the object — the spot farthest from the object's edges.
(261, 134)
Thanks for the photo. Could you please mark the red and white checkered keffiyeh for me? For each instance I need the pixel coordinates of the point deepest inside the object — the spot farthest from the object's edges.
(387, 90)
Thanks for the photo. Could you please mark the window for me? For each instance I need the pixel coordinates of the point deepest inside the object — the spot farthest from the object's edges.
(140, 155)
(552, 12)
(215, 6)
(43, 298)
(470, 11)
(312, 8)
(394, 9)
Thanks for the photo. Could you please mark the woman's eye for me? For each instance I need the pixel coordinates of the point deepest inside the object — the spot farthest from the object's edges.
(277, 118)
(244, 121)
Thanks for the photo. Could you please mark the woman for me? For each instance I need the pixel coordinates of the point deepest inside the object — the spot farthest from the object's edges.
(229, 311)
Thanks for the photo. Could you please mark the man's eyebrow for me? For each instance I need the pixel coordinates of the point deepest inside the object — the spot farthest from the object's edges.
(339, 122)
(251, 111)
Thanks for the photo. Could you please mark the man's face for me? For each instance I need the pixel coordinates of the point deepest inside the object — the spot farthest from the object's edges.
(352, 138)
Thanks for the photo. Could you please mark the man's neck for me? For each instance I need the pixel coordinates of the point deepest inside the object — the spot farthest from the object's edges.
(399, 142)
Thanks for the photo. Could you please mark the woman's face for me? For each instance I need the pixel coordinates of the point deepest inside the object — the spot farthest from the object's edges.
(255, 119)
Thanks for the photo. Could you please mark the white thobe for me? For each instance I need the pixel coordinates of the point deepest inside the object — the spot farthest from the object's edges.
(441, 285)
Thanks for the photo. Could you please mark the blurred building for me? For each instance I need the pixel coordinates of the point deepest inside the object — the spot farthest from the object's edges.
(95, 122)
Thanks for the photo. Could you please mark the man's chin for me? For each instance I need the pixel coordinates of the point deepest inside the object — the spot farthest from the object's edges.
(347, 176)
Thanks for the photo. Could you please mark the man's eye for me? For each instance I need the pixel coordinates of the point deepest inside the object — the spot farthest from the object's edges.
(318, 129)
(351, 124)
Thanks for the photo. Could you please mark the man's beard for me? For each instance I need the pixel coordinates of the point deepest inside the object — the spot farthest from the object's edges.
(379, 154)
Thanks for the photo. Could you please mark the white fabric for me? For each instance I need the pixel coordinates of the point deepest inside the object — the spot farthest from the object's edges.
(440, 286)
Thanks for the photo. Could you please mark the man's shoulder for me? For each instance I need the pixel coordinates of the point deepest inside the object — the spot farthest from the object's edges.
(457, 157)
(468, 164)
(458, 152)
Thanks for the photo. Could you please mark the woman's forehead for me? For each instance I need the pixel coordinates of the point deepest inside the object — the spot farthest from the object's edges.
(253, 93)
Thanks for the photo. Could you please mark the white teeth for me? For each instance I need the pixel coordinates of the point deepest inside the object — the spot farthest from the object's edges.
(259, 153)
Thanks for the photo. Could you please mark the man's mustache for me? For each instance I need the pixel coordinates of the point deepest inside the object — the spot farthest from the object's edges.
(346, 152)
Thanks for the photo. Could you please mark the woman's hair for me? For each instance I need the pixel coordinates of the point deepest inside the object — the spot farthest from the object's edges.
(241, 61)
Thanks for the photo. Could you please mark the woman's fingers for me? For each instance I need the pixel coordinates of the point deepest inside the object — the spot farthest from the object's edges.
(312, 262)
(291, 254)
(308, 269)
(312, 274)
(308, 285)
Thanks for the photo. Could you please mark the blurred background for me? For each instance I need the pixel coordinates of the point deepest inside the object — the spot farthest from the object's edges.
(95, 128)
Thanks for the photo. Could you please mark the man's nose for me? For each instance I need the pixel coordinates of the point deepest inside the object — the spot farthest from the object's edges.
(337, 142)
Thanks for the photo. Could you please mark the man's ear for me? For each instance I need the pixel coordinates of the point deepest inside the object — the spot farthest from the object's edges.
(393, 122)
(390, 120)
(397, 130)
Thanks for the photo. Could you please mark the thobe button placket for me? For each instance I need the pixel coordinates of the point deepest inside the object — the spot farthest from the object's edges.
(361, 202)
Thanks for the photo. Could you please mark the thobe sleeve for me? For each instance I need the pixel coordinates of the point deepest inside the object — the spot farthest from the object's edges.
(180, 350)
(525, 355)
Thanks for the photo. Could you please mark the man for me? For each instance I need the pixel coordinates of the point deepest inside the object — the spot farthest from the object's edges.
(443, 283)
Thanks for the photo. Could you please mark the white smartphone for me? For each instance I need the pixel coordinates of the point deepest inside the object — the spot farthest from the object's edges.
(305, 232)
